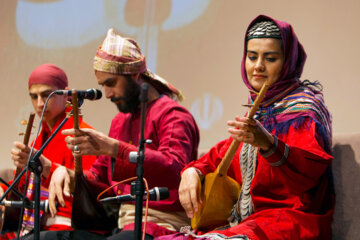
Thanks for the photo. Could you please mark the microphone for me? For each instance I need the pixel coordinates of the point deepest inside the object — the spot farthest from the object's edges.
(91, 93)
(44, 205)
(144, 92)
(155, 194)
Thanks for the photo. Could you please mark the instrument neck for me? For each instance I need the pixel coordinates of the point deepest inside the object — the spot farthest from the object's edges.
(26, 138)
(78, 160)
(230, 153)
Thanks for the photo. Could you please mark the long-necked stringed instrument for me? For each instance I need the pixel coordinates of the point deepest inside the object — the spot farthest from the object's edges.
(12, 214)
(220, 192)
(87, 212)
(26, 139)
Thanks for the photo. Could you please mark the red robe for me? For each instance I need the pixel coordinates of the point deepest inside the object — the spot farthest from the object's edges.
(57, 152)
(291, 190)
(291, 201)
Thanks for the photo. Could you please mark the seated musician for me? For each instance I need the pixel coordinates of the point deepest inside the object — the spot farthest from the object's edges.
(120, 69)
(45, 79)
(283, 162)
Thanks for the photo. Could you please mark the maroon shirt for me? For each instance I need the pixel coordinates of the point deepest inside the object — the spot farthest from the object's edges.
(290, 201)
(175, 139)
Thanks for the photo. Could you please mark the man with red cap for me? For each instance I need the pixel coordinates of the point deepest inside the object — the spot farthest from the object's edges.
(120, 68)
(43, 80)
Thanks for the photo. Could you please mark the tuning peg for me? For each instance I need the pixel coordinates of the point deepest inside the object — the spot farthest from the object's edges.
(252, 91)
(69, 114)
(247, 105)
(22, 133)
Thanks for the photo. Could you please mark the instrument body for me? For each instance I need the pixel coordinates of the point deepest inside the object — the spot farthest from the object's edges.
(220, 192)
(12, 214)
(87, 213)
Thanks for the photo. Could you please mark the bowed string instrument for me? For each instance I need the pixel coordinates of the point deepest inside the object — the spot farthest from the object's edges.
(26, 138)
(220, 192)
(87, 212)
(12, 214)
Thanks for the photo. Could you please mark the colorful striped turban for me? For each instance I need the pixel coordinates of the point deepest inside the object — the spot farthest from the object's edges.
(48, 74)
(118, 55)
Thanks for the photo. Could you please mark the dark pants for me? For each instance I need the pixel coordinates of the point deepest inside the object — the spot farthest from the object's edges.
(83, 235)
(127, 235)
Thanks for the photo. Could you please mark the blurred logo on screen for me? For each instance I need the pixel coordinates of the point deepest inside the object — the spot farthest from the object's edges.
(207, 110)
(69, 23)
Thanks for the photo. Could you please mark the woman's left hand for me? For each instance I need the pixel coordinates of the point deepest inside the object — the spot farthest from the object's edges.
(250, 131)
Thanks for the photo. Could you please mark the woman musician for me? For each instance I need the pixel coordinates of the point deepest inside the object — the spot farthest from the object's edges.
(283, 162)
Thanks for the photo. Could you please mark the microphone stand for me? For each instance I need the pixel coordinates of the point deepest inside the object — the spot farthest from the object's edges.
(139, 159)
(35, 166)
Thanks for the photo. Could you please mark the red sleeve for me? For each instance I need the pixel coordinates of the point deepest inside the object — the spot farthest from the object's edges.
(99, 169)
(87, 162)
(298, 160)
(178, 137)
(68, 160)
(209, 161)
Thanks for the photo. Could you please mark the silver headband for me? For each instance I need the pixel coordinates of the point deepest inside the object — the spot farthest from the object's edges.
(264, 29)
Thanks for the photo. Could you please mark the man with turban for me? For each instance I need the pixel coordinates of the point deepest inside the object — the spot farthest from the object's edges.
(120, 68)
(45, 79)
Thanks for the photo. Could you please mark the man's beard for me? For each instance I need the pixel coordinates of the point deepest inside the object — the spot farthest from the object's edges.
(131, 99)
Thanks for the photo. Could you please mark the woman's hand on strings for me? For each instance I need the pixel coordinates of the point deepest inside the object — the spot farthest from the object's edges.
(189, 191)
(250, 131)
